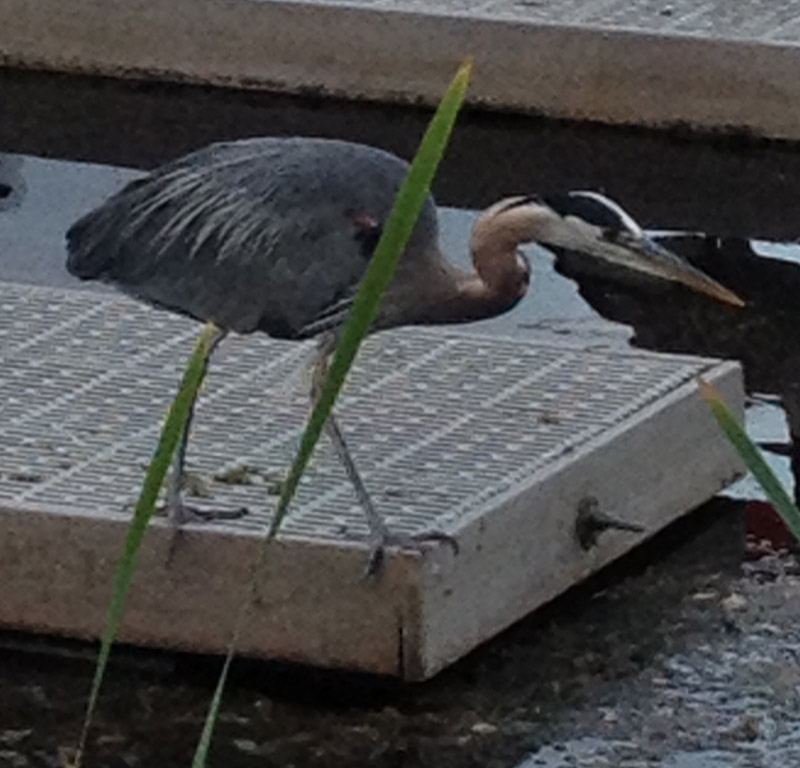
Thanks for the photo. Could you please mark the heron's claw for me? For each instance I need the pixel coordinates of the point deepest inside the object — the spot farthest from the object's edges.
(408, 541)
(186, 513)
(179, 515)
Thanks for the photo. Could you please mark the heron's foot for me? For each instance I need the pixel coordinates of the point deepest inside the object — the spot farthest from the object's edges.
(416, 542)
(181, 514)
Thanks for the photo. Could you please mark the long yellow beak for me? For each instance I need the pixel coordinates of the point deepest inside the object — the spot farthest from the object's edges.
(654, 259)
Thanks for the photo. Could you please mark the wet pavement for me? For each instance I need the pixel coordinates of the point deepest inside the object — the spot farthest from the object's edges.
(683, 655)
(729, 699)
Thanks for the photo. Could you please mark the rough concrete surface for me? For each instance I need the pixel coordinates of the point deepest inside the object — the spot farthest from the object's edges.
(759, 19)
(717, 66)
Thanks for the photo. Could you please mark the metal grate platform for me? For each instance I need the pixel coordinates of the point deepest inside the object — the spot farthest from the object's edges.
(493, 440)
(765, 19)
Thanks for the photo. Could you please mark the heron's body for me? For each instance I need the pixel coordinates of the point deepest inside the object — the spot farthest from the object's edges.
(269, 235)
(274, 235)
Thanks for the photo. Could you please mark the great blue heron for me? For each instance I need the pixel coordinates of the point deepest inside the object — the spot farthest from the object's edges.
(274, 234)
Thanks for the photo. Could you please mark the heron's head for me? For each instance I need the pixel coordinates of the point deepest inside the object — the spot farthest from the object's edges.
(589, 223)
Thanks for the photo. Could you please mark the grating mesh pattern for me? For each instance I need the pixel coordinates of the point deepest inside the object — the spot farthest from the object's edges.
(439, 422)
(764, 19)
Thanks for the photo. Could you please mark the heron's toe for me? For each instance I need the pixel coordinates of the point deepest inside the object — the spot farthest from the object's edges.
(212, 515)
(415, 542)
(188, 513)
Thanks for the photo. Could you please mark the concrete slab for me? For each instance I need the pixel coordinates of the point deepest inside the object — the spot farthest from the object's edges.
(715, 64)
(493, 440)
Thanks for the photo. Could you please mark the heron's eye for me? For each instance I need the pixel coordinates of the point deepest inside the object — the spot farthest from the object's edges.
(368, 232)
(619, 236)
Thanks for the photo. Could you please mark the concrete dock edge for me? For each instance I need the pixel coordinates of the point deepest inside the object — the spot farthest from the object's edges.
(619, 76)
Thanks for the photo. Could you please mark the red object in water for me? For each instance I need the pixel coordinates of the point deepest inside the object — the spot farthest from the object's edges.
(766, 531)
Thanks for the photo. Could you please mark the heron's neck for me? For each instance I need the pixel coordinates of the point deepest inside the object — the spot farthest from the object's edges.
(500, 278)
(474, 295)
(482, 300)
(432, 291)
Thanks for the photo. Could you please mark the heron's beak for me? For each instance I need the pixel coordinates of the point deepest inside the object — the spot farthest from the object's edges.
(646, 255)
(663, 263)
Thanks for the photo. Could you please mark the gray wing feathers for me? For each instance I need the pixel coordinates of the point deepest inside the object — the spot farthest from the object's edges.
(252, 234)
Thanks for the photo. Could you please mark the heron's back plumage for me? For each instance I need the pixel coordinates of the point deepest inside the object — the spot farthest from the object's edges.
(270, 233)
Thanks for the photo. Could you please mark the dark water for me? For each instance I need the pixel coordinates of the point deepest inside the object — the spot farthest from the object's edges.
(732, 186)
(67, 143)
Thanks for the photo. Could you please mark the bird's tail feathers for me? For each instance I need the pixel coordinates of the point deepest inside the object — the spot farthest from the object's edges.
(90, 251)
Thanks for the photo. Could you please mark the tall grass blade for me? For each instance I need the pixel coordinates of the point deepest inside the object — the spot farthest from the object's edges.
(752, 457)
(398, 229)
(145, 506)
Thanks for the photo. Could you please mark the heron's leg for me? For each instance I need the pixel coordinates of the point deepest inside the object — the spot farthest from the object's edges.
(174, 496)
(178, 512)
(379, 534)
